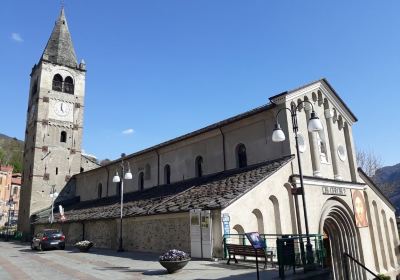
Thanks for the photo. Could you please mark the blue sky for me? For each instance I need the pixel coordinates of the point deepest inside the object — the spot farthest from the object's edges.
(164, 68)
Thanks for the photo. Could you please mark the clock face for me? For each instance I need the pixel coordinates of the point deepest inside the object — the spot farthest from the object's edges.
(62, 109)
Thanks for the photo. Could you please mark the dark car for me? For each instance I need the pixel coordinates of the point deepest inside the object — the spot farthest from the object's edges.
(47, 239)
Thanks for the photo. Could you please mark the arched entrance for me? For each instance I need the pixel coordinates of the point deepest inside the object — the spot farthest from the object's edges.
(341, 235)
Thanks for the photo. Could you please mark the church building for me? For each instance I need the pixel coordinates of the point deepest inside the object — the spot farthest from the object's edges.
(229, 177)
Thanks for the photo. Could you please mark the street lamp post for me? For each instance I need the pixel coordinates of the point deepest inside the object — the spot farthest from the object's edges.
(314, 125)
(10, 205)
(117, 179)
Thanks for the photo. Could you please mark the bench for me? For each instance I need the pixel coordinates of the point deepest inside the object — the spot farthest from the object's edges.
(248, 251)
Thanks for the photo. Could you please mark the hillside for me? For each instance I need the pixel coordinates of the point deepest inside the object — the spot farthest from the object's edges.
(388, 179)
(11, 152)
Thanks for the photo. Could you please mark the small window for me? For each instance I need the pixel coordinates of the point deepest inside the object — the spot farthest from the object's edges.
(99, 190)
(15, 190)
(342, 152)
(63, 137)
(167, 174)
(34, 88)
(302, 144)
(56, 170)
(241, 156)
(57, 82)
(69, 85)
(147, 172)
(199, 166)
(322, 146)
(82, 169)
(141, 181)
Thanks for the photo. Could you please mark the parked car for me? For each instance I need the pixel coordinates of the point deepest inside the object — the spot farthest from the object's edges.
(47, 239)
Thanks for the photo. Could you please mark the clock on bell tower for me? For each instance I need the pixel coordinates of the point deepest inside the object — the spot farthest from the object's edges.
(54, 123)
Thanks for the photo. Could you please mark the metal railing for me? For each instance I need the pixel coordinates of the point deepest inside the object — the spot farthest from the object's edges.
(287, 250)
(347, 268)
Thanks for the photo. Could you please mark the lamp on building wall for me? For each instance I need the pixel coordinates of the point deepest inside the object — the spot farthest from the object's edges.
(314, 125)
(117, 179)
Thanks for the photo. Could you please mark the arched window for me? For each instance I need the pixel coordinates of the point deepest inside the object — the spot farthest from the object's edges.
(141, 181)
(99, 190)
(147, 172)
(167, 174)
(69, 85)
(241, 156)
(57, 82)
(199, 166)
(63, 137)
(322, 145)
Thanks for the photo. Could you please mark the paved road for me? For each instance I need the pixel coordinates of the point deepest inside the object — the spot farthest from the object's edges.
(18, 261)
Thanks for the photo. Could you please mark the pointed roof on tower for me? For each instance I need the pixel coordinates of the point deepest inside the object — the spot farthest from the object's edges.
(59, 48)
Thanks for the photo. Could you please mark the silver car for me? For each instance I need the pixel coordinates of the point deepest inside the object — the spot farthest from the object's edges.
(47, 239)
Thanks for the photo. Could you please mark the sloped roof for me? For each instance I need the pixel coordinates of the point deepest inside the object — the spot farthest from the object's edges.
(59, 48)
(215, 191)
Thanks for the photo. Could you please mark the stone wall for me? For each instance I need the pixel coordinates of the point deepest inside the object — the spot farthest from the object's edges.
(148, 234)
(158, 233)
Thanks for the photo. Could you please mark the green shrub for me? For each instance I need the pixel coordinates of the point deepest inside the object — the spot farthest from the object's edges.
(383, 277)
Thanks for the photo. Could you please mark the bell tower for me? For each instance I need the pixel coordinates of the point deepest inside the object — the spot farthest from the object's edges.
(54, 123)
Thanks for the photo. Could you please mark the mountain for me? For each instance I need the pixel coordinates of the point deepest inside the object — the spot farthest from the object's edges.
(11, 152)
(388, 180)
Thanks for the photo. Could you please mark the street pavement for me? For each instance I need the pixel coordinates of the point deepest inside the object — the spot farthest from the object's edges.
(18, 261)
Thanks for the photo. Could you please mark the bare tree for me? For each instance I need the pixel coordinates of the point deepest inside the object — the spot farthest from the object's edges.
(368, 161)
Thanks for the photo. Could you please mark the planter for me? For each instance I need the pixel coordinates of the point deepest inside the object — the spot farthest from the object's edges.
(84, 246)
(84, 249)
(174, 266)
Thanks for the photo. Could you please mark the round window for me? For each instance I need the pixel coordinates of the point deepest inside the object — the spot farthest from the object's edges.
(342, 152)
(302, 144)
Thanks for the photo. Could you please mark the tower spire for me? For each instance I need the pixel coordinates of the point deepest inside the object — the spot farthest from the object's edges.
(59, 48)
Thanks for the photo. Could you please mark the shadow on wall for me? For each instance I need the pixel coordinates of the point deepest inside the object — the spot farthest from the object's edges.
(67, 195)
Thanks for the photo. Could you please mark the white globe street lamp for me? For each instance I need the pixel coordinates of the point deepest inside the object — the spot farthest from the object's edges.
(314, 125)
(117, 179)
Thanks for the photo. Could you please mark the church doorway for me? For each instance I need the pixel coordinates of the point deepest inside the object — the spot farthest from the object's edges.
(328, 253)
(340, 236)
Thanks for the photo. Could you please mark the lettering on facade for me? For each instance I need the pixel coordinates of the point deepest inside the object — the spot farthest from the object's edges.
(333, 191)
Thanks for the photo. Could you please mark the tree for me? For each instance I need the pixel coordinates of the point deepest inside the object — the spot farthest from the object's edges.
(368, 161)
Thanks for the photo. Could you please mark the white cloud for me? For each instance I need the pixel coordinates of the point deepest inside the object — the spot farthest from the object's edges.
(128, 131)
(17, 37)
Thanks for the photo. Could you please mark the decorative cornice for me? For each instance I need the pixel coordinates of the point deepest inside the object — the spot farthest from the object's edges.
(320, 182)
